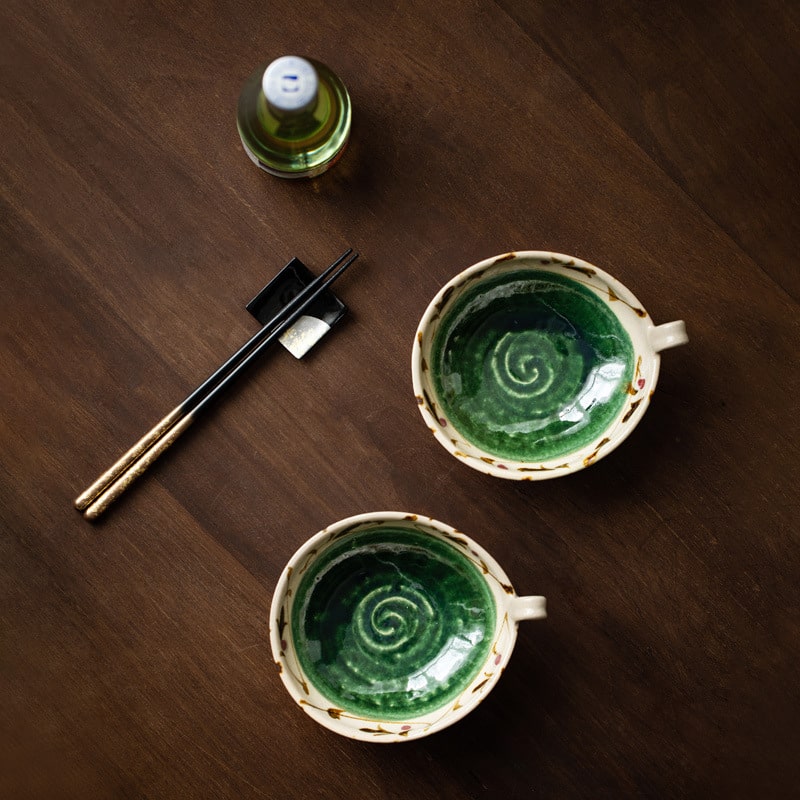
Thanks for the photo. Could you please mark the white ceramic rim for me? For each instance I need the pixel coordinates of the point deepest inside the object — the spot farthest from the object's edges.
(622, 303)
(323, 710)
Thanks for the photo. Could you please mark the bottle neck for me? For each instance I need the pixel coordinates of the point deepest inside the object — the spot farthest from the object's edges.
(287, 115)
(302, 128)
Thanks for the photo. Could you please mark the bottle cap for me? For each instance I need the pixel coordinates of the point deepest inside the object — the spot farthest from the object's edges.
(290, 84)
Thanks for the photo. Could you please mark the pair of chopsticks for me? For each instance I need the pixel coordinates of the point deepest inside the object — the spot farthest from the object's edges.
(115, 480)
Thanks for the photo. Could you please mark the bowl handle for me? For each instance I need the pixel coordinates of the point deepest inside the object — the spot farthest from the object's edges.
(533, 607)
(670, 334)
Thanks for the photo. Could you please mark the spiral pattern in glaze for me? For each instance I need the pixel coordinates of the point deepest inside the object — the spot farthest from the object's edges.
(393, 620)
(530, 365)
(392, 623)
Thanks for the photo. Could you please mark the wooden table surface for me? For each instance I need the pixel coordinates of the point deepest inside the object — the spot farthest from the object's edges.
(660, 141)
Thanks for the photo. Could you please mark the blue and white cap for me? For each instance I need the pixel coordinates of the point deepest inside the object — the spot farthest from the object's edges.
(290, 84)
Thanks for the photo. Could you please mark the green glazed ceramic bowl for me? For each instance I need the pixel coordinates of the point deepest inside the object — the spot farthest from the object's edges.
(532, 364)
(390, 626)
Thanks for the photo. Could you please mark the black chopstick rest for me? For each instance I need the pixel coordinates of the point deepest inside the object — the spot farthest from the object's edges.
(318, 318)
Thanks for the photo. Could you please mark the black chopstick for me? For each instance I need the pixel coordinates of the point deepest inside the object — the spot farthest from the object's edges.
(114, 481)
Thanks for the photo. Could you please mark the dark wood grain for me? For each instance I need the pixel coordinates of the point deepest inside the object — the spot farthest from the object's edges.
(659, 141)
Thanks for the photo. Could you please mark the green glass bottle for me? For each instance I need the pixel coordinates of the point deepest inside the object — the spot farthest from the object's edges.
(294, 117)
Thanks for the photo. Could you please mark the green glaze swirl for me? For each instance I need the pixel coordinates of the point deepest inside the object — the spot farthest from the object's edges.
(531, 365)
(392, 623)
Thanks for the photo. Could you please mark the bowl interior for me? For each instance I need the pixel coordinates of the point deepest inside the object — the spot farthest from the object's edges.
(389, 622)
(529, 360)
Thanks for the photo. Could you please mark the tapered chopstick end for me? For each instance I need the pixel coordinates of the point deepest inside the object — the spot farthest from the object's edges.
(81, 501)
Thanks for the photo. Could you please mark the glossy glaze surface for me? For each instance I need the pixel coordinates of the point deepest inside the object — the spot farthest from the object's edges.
(531, 365)
(392, 623)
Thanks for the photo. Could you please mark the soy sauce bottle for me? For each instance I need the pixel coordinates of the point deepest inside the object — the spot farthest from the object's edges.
(294, 117)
